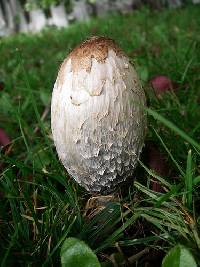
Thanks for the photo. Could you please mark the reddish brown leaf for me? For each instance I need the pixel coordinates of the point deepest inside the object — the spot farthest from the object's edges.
(157, 163)
(4, 138)
(161, 84)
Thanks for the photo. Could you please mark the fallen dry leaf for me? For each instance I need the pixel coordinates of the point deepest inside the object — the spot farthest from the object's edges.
(4, 138)
(161, 84)
(157, 162)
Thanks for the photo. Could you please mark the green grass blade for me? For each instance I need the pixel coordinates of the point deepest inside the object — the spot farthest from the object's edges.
(189, 181)
(139, 241)
(173, 127)
(169, 153)
(196, 180)
(33, 102)
(153, 174)
(174, 190)
(59, 243)
(12, 241)
(153, 195)
(113, 238)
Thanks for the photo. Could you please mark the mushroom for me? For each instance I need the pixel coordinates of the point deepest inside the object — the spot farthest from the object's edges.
(98, 115)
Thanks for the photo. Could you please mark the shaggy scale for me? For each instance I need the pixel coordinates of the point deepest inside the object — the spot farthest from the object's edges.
(97, 113)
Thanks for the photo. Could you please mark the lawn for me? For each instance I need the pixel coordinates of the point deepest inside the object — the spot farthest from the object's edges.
(41, 205)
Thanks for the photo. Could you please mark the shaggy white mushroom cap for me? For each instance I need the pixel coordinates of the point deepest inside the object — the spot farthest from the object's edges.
(97, 115)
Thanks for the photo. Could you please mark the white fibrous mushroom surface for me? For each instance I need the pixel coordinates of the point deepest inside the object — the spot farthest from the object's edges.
(98, 115)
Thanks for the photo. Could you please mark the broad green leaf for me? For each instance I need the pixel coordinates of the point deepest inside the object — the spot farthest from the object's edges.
(179, 256)
(76, 253)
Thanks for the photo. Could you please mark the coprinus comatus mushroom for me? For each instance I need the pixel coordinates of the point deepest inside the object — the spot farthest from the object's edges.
(98, 115)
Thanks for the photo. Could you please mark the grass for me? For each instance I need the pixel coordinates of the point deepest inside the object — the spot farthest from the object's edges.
(41, 205)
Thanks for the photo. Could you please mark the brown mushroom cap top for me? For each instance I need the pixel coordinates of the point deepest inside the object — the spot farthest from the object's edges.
(94, 47)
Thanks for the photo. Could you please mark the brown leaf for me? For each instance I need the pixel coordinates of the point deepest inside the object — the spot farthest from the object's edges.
(4, 138)
(161, 84)
(157, 162)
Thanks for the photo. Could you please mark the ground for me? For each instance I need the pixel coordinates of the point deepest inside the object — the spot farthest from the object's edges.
(41, 205)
